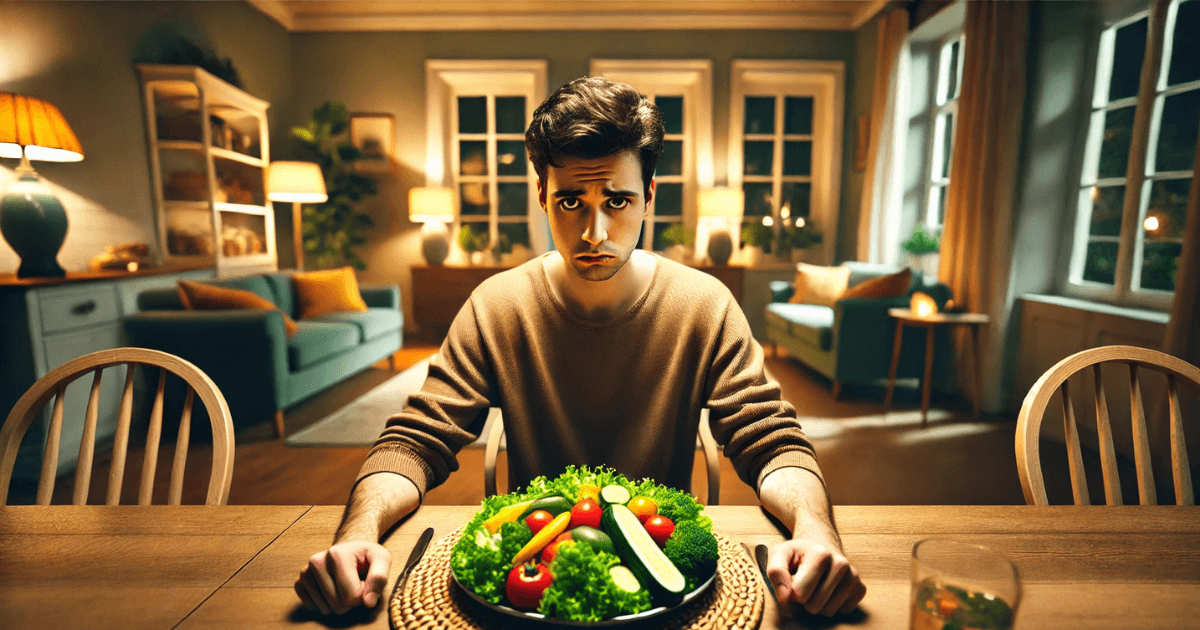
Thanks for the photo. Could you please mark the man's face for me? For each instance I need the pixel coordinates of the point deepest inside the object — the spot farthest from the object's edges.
(596, 207)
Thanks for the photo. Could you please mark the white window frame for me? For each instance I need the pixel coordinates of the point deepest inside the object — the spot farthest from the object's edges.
(941, 107)
(691, 79)
(824, 81)
(445, 81)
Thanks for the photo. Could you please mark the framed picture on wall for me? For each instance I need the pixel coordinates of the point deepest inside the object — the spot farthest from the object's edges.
(374, 135)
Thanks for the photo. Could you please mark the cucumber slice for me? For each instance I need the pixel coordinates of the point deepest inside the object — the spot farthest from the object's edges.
(638, 550)
(614, 495)
(555, 505)
(625, 579)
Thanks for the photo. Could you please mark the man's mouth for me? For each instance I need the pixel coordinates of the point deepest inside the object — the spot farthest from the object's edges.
(593, 258)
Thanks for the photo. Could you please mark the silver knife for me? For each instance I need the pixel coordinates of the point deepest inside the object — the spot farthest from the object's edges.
(413, 558)
(760, 554)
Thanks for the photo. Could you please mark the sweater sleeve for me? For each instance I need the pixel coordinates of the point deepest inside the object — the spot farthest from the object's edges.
(448, 412)
(757, 428)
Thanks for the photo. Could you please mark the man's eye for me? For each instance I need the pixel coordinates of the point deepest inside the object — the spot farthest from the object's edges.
(570, 203)
(618, 203)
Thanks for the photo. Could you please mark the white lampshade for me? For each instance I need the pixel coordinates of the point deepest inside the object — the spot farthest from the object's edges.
(721, 202)
(431, 204)
(299, 182)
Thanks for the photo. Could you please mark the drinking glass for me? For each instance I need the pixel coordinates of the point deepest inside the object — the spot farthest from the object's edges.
(958, 585)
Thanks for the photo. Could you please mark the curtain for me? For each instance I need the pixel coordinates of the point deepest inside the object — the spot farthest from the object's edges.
(1183, 330)
(976, 247)
(879, 218)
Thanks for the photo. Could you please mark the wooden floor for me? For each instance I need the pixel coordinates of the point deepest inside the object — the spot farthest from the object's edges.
(868, 457)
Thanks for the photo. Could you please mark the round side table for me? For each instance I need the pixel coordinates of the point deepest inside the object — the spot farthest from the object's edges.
(905, 317)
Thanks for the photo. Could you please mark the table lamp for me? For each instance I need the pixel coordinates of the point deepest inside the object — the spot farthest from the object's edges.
(434, 208)
(297, 182)
(32, 219)
(922, 305)
(720, 206)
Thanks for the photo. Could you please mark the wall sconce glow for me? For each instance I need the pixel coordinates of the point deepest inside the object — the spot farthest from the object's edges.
(922, 305)
(1151, 223)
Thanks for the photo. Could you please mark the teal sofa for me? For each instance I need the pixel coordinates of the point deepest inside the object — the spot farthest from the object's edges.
(852, 340)
(247, 353)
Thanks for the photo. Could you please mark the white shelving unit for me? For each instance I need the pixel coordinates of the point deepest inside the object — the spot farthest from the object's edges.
(208, 145)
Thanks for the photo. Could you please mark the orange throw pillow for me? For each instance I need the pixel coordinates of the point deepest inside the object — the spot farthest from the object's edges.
(819, 285)
(199, 296)
(332, 291)
(891, 285)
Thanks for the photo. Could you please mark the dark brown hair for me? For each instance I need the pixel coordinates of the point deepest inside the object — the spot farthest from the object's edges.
(592, 117)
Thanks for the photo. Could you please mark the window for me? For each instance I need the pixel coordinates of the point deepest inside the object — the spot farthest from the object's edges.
(1139, 160)
(944, 115)
(477, 115)
(785, 144)
(682, 91)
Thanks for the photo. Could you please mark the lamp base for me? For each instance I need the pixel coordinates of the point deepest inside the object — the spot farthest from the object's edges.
(720, 247)
(34, 224)
(435, 243)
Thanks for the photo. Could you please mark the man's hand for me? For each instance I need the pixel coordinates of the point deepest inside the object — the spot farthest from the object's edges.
(815, 575)
(344, 576)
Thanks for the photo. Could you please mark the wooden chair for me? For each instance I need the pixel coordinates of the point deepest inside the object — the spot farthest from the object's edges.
(712, 458)
(1029, 424)
(54, 384)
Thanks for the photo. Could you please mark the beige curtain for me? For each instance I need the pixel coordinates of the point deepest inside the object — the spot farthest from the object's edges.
(1183, 331)
(879, 214)
(976, 246)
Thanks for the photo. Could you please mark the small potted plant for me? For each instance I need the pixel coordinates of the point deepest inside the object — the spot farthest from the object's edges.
(797, 238)
(472, 243)
(756, 237)
(922, 248)
(678, 240)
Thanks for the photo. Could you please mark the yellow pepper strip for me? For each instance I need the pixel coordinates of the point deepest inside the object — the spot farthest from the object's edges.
(589, 492)
(543, 538)
(505, 515)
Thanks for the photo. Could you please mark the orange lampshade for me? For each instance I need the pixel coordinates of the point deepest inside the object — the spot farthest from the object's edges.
(922, 305)
(37, 126)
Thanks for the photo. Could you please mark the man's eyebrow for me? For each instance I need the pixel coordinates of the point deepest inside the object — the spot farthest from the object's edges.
(579, 192)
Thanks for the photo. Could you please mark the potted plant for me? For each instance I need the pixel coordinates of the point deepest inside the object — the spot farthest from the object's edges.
(756, 237)
(332, 229)
(797, 238)
(678, 240)
(472, 243)
(922, 248)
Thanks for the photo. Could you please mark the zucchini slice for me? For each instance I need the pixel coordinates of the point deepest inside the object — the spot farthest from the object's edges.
(638, 550)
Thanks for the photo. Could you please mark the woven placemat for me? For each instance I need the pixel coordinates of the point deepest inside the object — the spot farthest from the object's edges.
(430, 599)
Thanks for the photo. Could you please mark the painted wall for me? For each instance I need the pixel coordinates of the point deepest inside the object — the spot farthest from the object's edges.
(79, 56)
(385, 72)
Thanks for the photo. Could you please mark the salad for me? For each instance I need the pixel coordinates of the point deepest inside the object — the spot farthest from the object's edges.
(588, 545)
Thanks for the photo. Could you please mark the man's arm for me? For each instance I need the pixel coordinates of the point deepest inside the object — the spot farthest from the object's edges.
(823, 580)
(355, 569)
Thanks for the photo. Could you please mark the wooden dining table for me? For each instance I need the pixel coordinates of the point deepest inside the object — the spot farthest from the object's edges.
(62, 567)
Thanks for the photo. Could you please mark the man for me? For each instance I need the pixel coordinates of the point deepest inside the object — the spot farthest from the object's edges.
(597, 353)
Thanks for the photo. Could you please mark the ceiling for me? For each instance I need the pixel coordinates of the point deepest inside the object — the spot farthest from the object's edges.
(582, 15)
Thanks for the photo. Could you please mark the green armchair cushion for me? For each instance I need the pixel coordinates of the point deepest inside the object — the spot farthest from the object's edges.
(810, 323)
(317, 341)
(370, 323)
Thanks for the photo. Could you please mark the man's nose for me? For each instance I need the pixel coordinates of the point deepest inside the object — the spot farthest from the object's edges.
(596, 231)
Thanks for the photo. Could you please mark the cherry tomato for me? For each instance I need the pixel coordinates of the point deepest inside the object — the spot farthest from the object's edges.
(586, 512)
(526, 583)
(563, 536)
(551, 550)
(643, 508)
(660, 528)
(538, 519)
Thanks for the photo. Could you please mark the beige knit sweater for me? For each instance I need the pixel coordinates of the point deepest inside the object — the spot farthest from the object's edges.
(626, 393)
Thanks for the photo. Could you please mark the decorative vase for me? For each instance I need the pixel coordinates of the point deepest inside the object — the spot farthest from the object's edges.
(927, 264)
(477, 259)
(720, 247)
(35, 225)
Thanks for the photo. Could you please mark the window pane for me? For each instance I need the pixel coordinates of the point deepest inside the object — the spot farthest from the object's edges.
(1159, 263)
(758, 199)
(472, 114)
(946, 128)
(668, 200)
(760, 114)
(513, 233)
(759, 156)
(937, 201)
(1100, 265)
(1114, 150)
(1107, 205)
(474, 198)
(1128, 51)
(510, 114)
(472, 155)
(659, 228)
(510, 155)
(797, 157)
(1185, 63)
(671, 108)
(671, 160)
(514, 198)
(1167, 214)
(797, 196)
(952, 68)
(798, 115)
(1177, 132)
